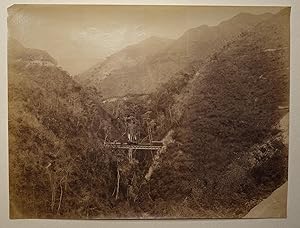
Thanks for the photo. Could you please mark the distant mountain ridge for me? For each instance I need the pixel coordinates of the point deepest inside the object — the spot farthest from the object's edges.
(122, 74)
(17, 52)
(131, 56)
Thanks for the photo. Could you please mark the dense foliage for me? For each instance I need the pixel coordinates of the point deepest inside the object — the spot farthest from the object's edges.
(234, 106)
(56, 132)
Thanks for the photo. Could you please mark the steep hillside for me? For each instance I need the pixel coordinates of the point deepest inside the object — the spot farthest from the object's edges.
(17, 52)
(56, 132)
(194, 46)
(129, 57)
(228, 151)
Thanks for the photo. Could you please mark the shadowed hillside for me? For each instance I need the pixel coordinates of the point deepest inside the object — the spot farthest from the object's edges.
(228, 151)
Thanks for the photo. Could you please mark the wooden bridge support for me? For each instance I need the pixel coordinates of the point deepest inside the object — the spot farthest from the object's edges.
(130, 158)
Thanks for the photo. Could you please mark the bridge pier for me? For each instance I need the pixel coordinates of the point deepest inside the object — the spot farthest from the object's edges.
(130, 150)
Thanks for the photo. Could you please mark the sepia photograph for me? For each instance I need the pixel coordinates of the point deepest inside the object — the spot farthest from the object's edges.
(148, 111)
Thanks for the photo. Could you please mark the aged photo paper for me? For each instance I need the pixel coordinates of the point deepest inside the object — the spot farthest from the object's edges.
(148, 112)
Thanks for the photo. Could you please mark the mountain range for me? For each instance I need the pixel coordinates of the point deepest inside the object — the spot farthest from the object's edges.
(142, 68)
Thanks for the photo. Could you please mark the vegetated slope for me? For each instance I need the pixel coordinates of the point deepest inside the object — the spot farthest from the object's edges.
(196, 44)
(58, 166)
(119, 65)
(228, 152)
(17, 51)
(122, 75)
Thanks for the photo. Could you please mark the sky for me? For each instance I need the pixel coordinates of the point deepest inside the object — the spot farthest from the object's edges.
(79, 36)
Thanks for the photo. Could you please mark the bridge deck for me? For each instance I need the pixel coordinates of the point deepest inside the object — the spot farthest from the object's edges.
(133, 146)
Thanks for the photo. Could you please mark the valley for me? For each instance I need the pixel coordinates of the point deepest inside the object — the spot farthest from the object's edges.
(212, 99)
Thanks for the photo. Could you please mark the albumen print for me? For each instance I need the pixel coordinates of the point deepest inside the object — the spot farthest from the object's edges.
(148, 112)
